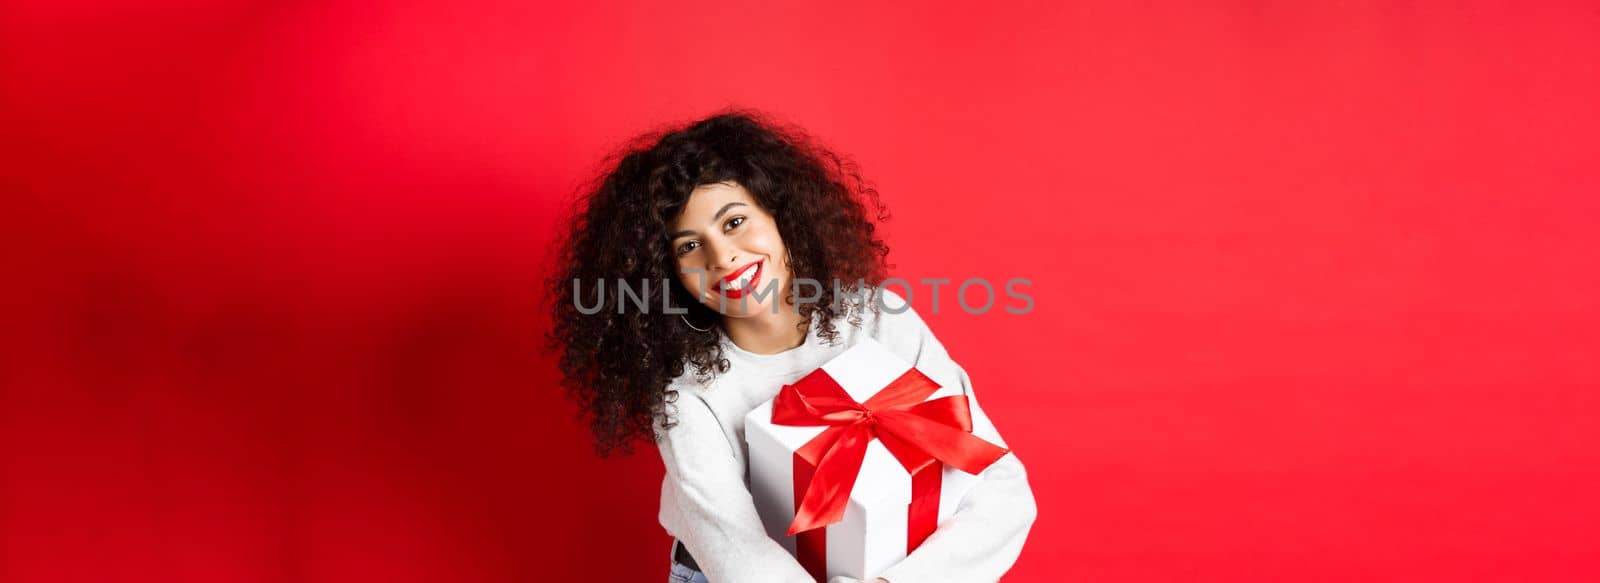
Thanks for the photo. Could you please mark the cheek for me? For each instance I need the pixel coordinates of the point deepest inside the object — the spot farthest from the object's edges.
(692, 278)
(780, 261)
(767, 242)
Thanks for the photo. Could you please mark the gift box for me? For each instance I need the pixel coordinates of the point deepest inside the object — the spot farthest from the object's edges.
(854, 464)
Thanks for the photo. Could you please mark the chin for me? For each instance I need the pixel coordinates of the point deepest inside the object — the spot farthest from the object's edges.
(750, 310)
(750, 307)
(747, 309)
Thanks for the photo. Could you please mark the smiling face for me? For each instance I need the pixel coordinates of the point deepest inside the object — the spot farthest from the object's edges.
(730, 255)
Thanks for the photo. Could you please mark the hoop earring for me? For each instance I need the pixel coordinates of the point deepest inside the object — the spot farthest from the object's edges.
(685, 318)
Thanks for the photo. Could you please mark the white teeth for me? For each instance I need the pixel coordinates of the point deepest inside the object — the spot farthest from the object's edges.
(741, 282)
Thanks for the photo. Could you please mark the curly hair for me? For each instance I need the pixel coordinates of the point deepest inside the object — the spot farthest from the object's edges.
(618, 363)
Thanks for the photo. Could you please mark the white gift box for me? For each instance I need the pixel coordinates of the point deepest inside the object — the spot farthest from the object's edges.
(872, 536)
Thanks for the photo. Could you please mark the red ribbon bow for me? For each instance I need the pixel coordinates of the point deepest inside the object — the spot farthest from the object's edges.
(917, 432)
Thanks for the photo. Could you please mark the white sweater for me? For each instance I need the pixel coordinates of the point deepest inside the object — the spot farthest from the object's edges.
(705, 500)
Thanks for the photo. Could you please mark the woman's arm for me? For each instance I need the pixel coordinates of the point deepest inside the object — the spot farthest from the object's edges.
(984, 536)
(706, 505)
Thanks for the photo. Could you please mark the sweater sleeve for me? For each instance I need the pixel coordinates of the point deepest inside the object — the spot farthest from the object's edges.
(706, 505)
(983, 538)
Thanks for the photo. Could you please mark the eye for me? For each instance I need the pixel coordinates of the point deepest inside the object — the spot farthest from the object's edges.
(733, 222)
(686, 247)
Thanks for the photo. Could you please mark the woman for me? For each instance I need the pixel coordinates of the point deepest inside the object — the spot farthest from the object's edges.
(749, 258)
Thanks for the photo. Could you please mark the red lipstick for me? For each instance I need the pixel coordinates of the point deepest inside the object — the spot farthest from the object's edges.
(734, 294)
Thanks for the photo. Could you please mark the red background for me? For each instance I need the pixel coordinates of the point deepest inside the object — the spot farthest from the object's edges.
(1315, 285)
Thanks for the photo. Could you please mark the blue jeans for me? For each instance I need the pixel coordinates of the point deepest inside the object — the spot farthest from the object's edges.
(683, 574)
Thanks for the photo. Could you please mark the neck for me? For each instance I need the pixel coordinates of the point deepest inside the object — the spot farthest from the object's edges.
(766, 332)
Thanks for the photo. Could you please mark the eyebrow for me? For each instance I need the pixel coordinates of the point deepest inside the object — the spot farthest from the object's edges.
(720, 212)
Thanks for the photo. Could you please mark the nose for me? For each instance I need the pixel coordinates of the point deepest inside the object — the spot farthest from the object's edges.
(722, 257)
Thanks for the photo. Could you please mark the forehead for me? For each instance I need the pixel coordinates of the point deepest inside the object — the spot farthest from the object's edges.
(707, 199)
